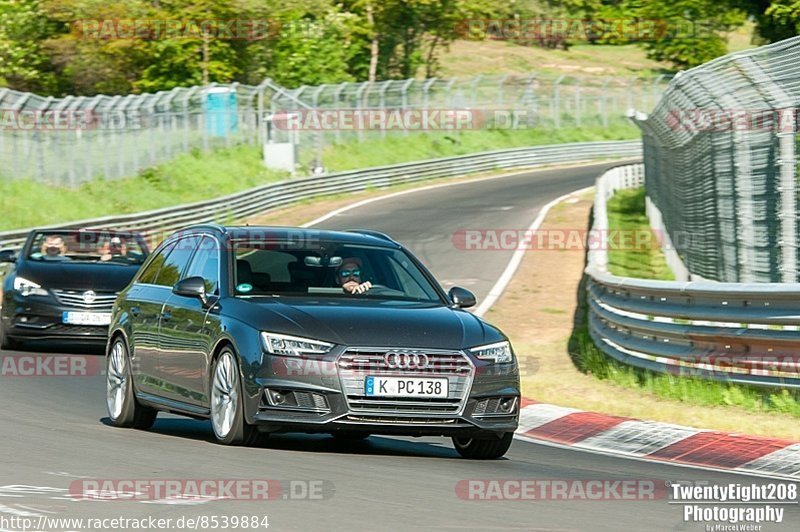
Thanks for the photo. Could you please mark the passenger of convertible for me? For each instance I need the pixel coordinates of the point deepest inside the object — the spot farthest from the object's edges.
(53, 247)
(114, 248)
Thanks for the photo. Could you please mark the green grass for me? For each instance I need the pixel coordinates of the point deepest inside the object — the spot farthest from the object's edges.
(626, 211)
(199, 176)
(399, 148)
(188, 177)
(635, 252)
(588, 358)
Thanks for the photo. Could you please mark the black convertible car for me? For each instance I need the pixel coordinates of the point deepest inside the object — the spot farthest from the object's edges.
(63, 283)
(283, 330)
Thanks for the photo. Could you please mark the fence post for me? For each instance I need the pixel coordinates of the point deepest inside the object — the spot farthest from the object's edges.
(557, 102)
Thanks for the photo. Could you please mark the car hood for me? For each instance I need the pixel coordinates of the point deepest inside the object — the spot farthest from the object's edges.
(78, 275)
(372, 323)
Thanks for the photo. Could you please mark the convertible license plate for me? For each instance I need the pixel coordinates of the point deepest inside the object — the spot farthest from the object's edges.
(406, 387)
(86, 318)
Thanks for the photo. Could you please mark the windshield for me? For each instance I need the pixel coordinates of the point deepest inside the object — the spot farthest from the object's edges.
(87, 246)
(329, 269)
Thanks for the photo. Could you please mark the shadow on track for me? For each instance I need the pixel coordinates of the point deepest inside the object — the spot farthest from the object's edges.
(200, 430)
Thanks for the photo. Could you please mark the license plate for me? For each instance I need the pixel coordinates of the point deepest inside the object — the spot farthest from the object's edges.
(86, 318)
(406, 387)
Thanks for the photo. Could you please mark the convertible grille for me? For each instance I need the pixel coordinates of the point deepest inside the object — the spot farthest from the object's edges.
(356, 364)
(103, 301)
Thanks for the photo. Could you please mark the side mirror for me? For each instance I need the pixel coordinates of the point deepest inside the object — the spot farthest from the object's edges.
(461, 297)
(191, 287)
(8, 255)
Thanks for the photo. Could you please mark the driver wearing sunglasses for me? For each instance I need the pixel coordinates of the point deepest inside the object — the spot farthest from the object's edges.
(348, 276)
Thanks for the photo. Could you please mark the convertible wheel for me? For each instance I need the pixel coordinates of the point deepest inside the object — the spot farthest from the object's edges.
(227, 414)
(123, 409)
(487, 448)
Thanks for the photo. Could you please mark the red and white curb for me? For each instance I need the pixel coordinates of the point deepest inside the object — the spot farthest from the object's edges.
(650, 440)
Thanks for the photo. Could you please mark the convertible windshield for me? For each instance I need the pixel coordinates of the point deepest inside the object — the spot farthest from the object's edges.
(329, 269)
(88, 246)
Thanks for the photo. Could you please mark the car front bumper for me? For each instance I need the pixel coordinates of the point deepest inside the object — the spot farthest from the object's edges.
(483, 398)
(40, 318)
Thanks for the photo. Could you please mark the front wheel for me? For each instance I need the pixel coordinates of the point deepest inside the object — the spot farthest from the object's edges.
(489, 447)
(227, 409)
(123, 409)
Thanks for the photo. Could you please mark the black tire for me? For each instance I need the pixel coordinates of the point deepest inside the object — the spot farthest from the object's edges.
(123, 409)
(240, 432)
(347, 435)
(489, 447)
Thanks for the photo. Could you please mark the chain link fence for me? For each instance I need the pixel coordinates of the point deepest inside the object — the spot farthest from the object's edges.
(721, 166)
(71, 140)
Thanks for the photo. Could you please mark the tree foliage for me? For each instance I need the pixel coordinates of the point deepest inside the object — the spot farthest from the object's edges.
(54, 46)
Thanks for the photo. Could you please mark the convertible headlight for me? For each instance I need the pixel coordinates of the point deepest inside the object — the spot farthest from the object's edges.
(281, 344)
(499, 353)
(28, 288)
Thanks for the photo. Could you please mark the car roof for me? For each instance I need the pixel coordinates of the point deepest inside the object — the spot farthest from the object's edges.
(282, 233)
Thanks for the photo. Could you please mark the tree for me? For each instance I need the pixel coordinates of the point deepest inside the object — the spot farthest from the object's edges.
(693, 30)
(25, 64)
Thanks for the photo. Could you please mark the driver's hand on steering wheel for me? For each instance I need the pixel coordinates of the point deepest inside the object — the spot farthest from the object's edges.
(359, 288)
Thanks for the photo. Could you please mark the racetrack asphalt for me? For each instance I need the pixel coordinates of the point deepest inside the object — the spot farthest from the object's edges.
(54, 431)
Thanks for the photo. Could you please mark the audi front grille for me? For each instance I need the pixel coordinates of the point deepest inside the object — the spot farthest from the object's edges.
(356, 364)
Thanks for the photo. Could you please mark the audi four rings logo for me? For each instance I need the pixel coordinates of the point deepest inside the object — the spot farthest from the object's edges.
(406, 360)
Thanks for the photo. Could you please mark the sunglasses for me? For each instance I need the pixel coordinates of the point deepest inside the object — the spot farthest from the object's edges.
(347, 273)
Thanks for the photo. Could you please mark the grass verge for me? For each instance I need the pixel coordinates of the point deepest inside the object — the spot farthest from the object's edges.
(626, 214)
(626, 211)
(197, 176)
(397, 148)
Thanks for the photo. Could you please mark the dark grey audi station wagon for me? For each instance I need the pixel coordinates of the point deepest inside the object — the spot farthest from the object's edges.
(275, 329)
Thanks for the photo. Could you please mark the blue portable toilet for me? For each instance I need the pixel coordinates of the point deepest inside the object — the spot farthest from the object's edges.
(220, 111)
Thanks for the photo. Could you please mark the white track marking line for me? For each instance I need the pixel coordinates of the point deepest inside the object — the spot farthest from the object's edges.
(516, 259)
(536, 415)
(638, 438)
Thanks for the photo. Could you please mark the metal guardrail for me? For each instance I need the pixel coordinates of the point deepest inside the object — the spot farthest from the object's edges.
(262, 199)
(743, 332)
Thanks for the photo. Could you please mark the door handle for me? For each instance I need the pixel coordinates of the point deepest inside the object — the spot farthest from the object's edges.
(166, 315)
(135, 311)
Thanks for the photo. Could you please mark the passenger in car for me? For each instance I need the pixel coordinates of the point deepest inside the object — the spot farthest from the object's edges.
(54, 248)
(348, 276)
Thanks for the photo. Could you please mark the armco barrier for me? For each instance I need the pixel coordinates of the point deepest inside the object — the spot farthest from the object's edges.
(747, 333)
(267, 197)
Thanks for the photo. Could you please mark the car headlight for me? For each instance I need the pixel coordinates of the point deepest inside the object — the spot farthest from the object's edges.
(28, 288)
(281, 344)
(499, 353)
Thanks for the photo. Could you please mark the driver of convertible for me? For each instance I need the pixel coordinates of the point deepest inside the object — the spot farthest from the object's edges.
(348, 276)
